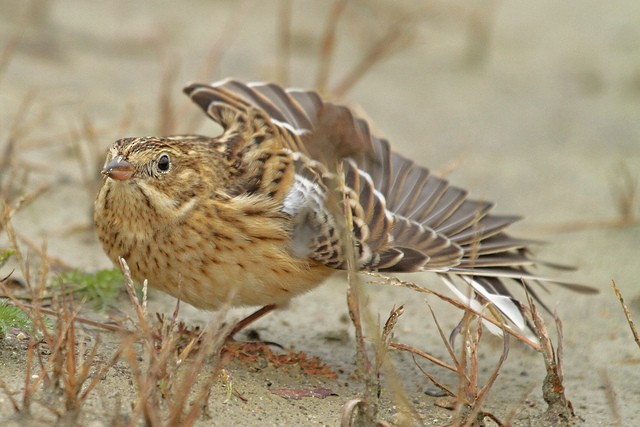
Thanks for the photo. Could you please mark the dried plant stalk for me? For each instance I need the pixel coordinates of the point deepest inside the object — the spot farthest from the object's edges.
(618, 294)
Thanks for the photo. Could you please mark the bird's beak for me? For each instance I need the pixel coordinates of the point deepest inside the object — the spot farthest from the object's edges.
(119, 169)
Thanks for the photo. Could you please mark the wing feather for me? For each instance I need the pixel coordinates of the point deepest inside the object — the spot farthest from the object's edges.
(404, 218)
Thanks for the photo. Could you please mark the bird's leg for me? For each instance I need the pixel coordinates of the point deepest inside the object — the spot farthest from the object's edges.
(249, 320)
(248, 350)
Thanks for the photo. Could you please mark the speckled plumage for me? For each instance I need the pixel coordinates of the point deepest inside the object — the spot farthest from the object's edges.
(255, 216)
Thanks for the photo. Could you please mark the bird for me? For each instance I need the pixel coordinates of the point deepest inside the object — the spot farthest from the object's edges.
(294, 189)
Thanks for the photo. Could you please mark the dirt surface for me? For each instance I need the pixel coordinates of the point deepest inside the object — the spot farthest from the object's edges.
(534, 105)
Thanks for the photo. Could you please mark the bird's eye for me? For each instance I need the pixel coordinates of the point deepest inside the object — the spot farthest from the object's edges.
(163, 163)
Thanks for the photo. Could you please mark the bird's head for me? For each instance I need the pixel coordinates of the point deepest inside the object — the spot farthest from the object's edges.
(164, 173)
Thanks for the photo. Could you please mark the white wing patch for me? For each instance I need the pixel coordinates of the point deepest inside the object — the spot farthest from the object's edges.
(304, 203)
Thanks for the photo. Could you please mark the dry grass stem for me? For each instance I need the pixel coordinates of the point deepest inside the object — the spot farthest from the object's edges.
(7, 53)
(417, 352)
(384, 364)
(430, 377)
(618, 294)
(167, 119)
(84, 142)
(26, 121)
(364, 411)
(64, 365)
(575, 226)
(283, 30)
(53, 261)
(394, 281)
(9, 211)
(223, 41)
(469, 395)
(511, 415)
(133, 298)
(25, 307)
(169, 377)
(625, 194)
(616, 419)
(482, 394)
(212, 61)
(349, 410)
(369, 405)
(397, 37)
(328, 43)
(559, 407)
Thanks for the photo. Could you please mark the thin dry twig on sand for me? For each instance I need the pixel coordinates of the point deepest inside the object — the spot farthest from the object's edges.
(364, 411)
(167, 118)
(180, 367)
(212, 60)
(396, 282)
(283, 31)
(174, 384)
(398, 36)
(520, 403)
(360, 411)
(65, 365)
(618, 294)
(51, 312)
(559, 408)
(12, 178)
(367, 407)
(625, 194)
(328, 44)
(469, 395)
(8, 211)
(616, 419)
(75, 370)
(8, 51)
(479, 22)
(401, 400)
(53, 261)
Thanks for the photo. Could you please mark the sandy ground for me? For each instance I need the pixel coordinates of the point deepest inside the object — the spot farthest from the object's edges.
(535, 104)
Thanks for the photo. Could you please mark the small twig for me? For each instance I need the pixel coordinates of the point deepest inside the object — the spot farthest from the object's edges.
(553, 391)
(8, 51)
(22, 202)
(482, 394)
(14, 301)
(394, 281)
(423, 354)
(348, 409)
(626, 193)
(167, 117)
(131, 292)
(634, 331)
(25, 122)
(283, 29)
(214, 57)
(327, 46)
(596, 224)
(433, 380)
(9, 394)
(611, 397)
(392, 41)
(49, 259)
(514, 411)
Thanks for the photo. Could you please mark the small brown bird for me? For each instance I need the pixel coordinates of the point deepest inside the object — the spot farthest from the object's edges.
(260, 214)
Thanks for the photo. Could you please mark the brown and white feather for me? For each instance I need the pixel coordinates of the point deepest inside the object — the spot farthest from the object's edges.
(256, 215)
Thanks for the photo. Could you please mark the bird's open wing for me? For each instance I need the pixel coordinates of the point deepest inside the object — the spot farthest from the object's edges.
(404, 218)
